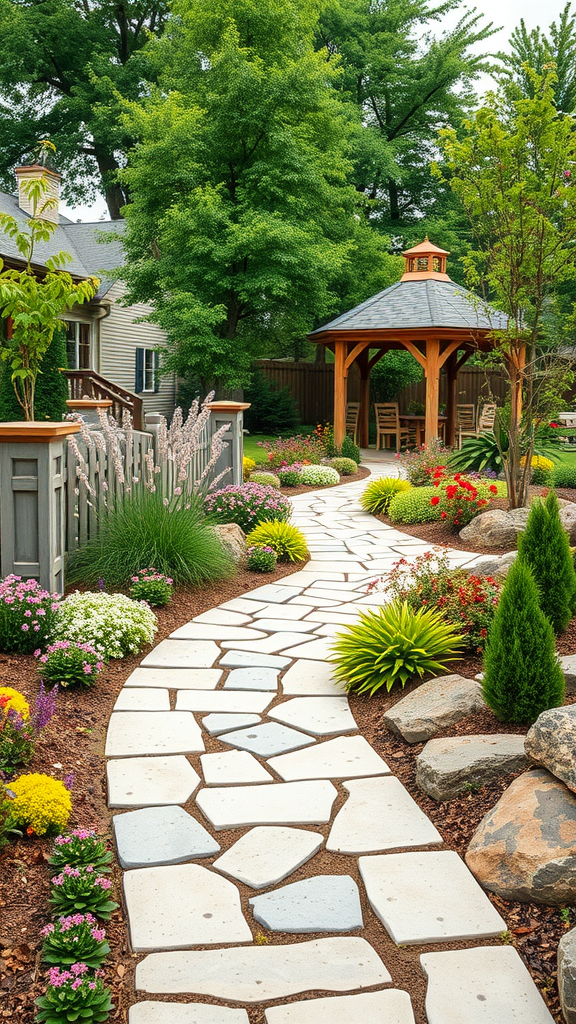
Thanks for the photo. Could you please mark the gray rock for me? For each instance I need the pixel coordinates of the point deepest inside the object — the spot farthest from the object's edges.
(233, 539)
(448, 766)
(568, 518)
(525, 847)
(568, 666)
(494, 565)
(161, 835)
(324, 903)
(552, 742)
(434, 706)
(567, 975)
(495, 528)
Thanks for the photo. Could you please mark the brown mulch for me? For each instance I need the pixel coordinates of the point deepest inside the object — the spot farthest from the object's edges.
(441, 534)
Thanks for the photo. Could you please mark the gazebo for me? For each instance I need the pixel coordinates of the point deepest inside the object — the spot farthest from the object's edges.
(436, 320)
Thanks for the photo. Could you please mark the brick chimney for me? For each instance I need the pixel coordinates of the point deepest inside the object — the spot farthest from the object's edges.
(33, 172)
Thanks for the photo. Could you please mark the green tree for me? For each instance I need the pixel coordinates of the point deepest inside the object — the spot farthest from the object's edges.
(536, 49)
(396, 370)
(65, 68)
(522, 676)
(510, 168)
(245, 235)
(406, 85)
(545, 547)
(34, 304)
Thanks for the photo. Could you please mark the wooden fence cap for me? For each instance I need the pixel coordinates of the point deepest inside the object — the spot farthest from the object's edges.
(89, 403)
(36, 430)
(229, 406)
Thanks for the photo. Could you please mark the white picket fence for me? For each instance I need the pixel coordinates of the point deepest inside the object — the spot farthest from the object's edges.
(87, 500)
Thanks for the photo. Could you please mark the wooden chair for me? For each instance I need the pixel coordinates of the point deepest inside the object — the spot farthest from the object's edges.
(352, 418)
(388, 424)
(466, 422)
(487, 417)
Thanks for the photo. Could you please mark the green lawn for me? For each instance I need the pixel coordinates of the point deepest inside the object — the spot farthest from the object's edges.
(567, 458)
(251, 449)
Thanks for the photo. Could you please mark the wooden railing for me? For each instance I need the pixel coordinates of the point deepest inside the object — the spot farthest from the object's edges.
(89, 384)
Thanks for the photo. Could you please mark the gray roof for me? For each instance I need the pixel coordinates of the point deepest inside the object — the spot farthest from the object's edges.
(418, 304)
(83, 242)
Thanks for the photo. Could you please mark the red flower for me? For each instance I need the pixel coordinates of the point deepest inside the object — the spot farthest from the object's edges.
(493, 489)
(443, 515)
(434, 500)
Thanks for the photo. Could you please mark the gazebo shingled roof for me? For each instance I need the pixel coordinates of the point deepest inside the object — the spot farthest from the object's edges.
(426, 313)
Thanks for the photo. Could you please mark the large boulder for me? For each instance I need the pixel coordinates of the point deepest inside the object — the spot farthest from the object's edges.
(568, 518)
(448, 766)
(552, 742)
(525, 847)
(568, 666)
(494, 565)
(233, 539)
(567, 975)
(434, 706)
(495, 528)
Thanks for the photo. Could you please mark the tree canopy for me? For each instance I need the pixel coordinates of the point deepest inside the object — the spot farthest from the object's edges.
(538, 50)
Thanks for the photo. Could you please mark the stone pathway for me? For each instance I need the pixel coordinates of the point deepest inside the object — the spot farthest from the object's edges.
(234, 760)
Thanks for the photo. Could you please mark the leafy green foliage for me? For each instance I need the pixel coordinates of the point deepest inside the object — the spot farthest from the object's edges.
(477, 454)
(139, 529)
(522, 676)
(78, 889)
(286, 540)
(272, 409)
(538, 50)
(266, 479)
(51, 391)
(349, 450)
(413, 506)
(379, 493)
(81, 846)
(89, 1001)
(74, 939)
(393, 645)
(396, 370)
(545, 547)
(343, 466)
(289, 477)
(564, 476)
(261, 558)
(153, 587)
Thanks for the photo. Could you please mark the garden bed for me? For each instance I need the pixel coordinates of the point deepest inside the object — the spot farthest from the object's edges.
(361, 474)
(74, 743)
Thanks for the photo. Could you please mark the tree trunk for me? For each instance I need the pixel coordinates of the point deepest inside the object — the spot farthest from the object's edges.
(115, 196)
(393, 197)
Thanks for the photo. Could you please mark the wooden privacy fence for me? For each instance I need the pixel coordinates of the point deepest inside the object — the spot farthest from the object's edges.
(312, 387)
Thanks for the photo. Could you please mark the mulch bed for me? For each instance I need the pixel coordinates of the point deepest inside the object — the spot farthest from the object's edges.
(441, 534)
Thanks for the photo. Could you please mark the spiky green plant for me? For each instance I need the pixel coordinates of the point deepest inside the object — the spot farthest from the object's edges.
(545, 547)
(379, 493)
(393, 645)
(522, 676)
(287, 541)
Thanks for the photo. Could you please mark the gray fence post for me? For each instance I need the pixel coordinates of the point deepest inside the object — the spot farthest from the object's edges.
(89, 408)
(33, 500)
(231, 458)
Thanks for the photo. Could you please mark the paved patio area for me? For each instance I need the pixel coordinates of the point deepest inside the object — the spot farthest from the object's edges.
(234, 760)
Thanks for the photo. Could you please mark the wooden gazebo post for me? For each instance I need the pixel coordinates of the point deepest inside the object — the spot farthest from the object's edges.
(340, 391)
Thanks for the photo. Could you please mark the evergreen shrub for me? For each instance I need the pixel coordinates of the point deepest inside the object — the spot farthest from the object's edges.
(346, 467)
(522, 676)
(272, 409)
(545, 547)
(51, 385)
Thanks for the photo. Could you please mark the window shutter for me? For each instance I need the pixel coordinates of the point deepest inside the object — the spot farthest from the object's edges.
(156, 372)
(139, 385)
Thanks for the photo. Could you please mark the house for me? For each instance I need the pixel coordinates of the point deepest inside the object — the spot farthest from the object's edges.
(110, 353)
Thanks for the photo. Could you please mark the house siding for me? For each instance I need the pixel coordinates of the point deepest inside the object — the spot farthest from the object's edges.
(120, 336)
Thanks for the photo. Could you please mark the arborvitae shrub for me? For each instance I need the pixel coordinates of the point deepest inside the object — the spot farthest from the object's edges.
(51, 385)
(545, 547)
(272, 409)
(522, 677)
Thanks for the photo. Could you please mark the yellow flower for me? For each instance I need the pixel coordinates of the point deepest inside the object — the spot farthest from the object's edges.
(538, 462)
(14, 701)
(41, 804)
(247, 466)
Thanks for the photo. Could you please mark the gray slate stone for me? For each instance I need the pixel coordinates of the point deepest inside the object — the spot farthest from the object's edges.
(252, 679)
(217, 723)
(551, 742)
(434, 706)
(494, 565)
(567, 975)
(153, 1012)
(568, 666)
(448, 765)
(267, 740)
(160, 835)
(324, 903)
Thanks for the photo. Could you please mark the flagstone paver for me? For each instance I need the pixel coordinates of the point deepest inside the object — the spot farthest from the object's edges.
(255, 670)
(267, 854)
(256, 974)
(267, 740)
(160, 732)
(379, 815)
(389, 1007)
(153, 1012)
(232, 768)
(161, 835)
(428, 897)
(489, 985)
(290, 803)
(322, 716)
(176, 678)
(150, 781)
(182, 905)
(323, 903)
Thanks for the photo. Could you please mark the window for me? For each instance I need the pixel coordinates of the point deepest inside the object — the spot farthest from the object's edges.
(147, 376)
(422, 263)
(78, 345)
(437, 264)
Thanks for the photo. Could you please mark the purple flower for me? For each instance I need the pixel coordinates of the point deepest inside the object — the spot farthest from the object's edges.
(45, 707)
(100, 584)
(68, 781)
